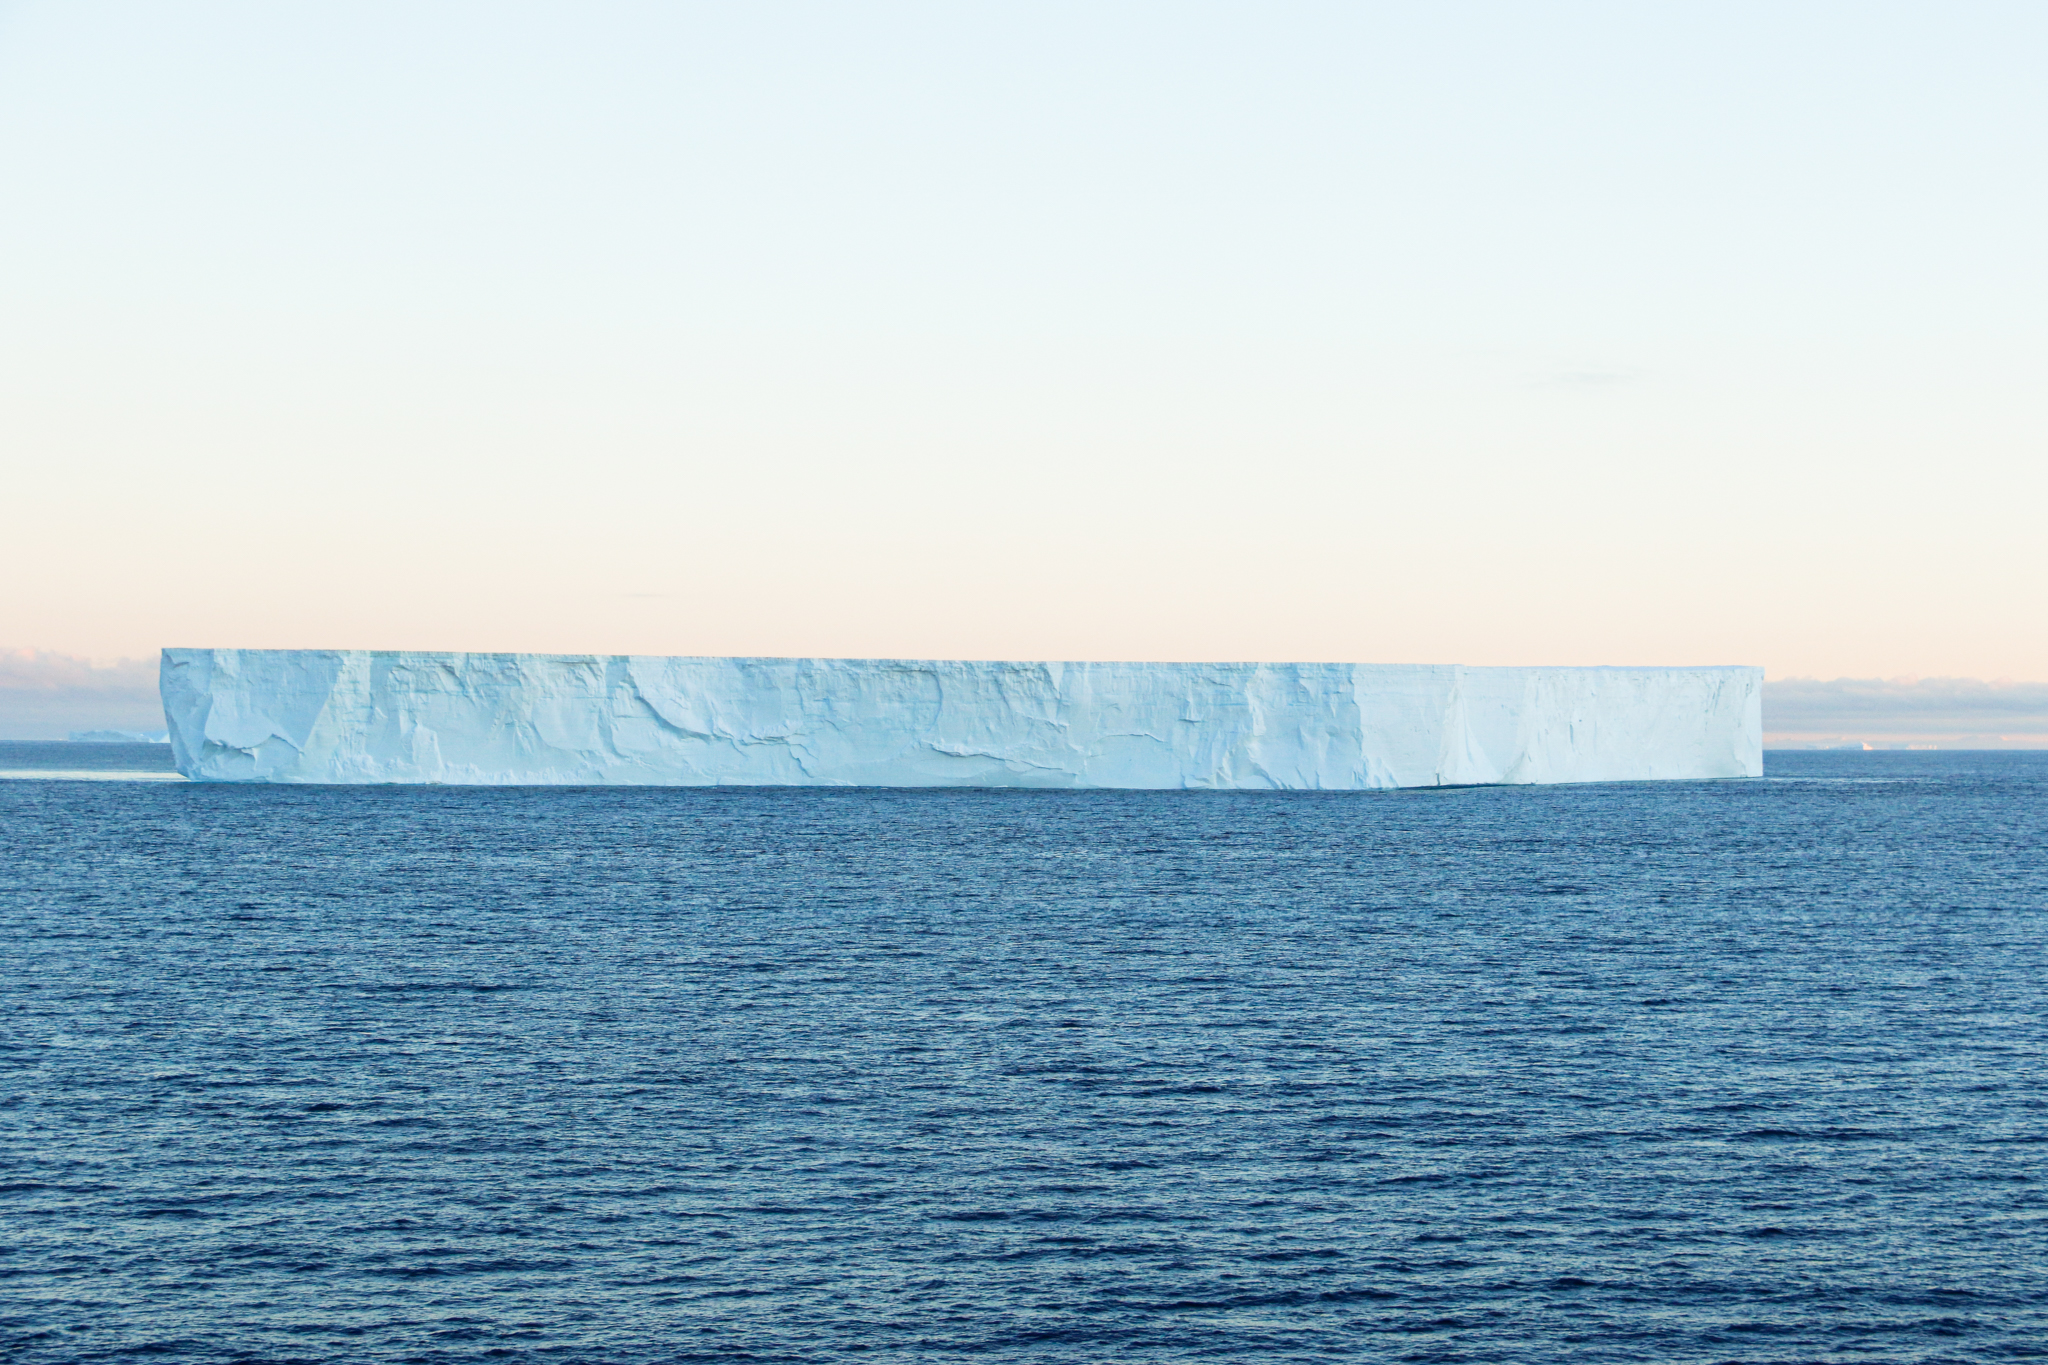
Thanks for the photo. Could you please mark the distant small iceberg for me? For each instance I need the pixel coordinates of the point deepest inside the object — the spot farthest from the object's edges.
(119, 737)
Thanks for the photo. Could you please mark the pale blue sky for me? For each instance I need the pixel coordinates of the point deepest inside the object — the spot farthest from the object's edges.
(1491, 333)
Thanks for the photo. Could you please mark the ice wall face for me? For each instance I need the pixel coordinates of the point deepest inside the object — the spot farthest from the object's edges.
(361, 716)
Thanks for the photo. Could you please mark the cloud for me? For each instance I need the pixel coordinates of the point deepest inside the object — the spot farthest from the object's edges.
(1951, 712)
(1590, 379)
(47, 696)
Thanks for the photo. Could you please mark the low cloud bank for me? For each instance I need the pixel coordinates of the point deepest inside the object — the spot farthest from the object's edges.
(48, 696)
(1949, 713)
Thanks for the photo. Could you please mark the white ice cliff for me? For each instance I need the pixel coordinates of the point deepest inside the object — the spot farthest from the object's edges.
(241, 715)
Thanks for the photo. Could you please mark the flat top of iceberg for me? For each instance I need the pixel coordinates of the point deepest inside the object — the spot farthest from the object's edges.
(914, 661)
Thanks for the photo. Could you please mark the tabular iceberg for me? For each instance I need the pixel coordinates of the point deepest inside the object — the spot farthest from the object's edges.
(239, 715)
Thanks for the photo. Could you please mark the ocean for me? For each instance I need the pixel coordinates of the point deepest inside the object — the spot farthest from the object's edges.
(1680, 1072)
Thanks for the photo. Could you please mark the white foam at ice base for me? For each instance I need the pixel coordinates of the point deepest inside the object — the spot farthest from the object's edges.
(355, 716)
(83, 775)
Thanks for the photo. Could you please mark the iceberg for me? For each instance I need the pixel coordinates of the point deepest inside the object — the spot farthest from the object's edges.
(369, 716)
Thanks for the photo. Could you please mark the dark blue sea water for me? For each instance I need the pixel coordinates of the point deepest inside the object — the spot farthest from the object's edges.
(1746, 1071)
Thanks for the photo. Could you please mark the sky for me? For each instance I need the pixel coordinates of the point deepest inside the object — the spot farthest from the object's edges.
(1481, 333)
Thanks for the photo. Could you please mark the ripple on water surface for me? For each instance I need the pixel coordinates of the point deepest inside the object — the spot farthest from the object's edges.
(1685, 1072)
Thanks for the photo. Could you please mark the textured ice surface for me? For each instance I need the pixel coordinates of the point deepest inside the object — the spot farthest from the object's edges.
(362, 716)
